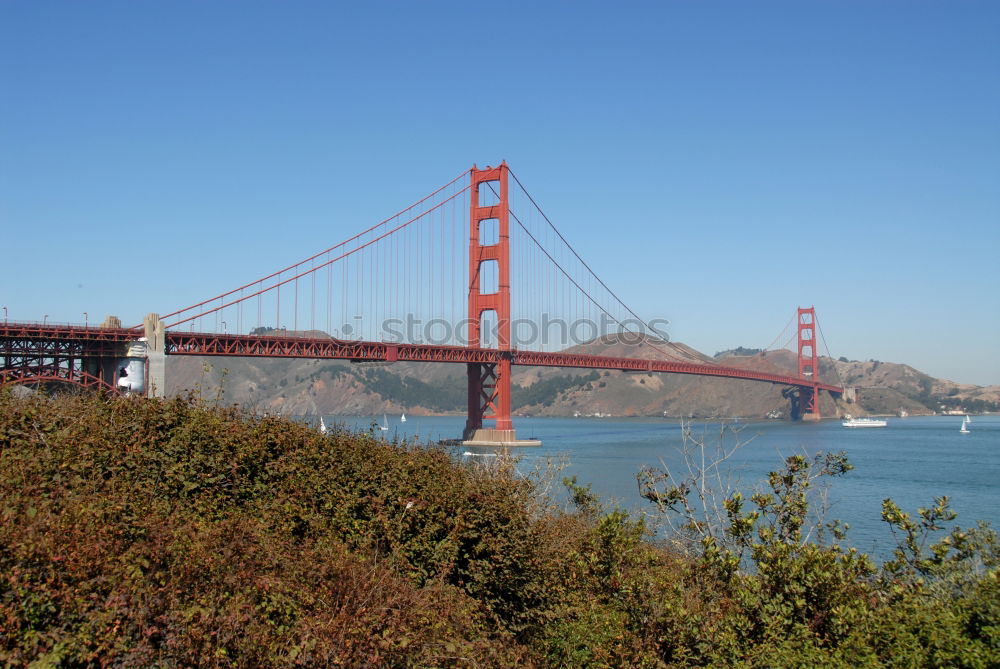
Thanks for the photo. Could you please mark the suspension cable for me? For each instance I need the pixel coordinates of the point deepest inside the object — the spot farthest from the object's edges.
(570, 247)
(317, 267)
(313, 257)
(828, 354)
(683, 357)
(771, 345)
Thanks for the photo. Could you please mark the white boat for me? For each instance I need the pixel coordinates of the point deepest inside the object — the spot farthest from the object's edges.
(865, 422)
(322, 425)
(965, 426)
(402, 419)
(385, 424)
(967, 419)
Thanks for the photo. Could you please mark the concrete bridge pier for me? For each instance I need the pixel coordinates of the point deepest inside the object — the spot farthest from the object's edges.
(156, 356)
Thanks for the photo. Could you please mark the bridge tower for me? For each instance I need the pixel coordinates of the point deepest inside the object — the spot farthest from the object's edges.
(489, 383)
(808, 363)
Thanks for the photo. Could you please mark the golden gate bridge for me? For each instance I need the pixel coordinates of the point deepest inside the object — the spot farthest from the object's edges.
(474, 273)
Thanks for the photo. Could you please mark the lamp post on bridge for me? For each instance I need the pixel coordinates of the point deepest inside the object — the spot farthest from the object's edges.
(45, 319)
(86, 319)
(223, 327)
(5, 315)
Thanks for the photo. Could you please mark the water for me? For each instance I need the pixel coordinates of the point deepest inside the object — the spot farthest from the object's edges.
(912, 460)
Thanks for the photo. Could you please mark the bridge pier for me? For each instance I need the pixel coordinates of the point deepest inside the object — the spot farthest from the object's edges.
(810, 404)
(804, 402)
(489, 391)
(156, 356)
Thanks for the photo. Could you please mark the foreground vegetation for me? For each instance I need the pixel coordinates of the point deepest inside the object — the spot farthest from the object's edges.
(170, 533)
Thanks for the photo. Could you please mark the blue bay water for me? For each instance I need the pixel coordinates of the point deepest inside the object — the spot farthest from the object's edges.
(912, 460)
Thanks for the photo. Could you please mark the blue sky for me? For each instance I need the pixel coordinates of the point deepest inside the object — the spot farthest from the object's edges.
(717, 163)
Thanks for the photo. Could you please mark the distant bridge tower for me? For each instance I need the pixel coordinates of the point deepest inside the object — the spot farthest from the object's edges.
(808, 363)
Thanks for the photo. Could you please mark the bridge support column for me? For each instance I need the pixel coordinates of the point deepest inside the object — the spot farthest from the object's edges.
(489, 383)
(156, 356)
(489, 396)
(810, 404)
(808, 364)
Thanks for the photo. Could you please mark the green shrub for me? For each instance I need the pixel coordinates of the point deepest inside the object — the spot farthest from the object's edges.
(137, 532)
(144, 532)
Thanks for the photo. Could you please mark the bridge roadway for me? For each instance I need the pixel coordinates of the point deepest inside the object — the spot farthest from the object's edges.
(179, 343)
(72, 341)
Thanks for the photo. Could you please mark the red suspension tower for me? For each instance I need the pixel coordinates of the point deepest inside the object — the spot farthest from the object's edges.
(808, 363)
(489, 383)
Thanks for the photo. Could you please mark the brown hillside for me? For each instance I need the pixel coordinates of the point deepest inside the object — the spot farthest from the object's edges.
(302, 387)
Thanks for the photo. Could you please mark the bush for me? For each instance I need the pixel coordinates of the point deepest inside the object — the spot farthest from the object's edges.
(138, 532)
(145, 532)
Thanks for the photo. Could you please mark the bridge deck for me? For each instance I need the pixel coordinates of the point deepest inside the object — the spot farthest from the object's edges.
(19, 338)
(300, 347)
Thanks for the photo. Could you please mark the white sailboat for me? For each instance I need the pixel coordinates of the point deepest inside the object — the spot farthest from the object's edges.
(402, 419)
(965, 426)
(322, 425)
(967, 419)
(385, 423)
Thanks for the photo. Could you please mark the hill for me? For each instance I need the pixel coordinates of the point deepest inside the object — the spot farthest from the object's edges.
(303, 387)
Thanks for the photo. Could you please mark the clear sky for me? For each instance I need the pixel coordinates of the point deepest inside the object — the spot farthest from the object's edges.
(717, 163)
